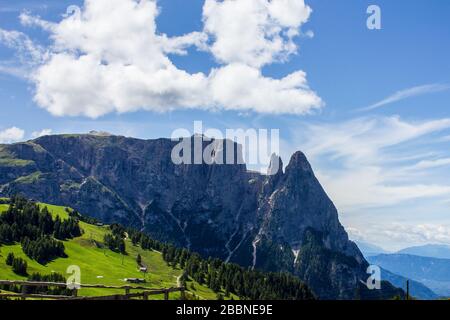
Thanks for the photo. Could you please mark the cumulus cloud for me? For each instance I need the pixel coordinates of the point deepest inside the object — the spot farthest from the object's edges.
(238, 86)
(11, 135)
(43, 132)
(110, 57)
(254, 32)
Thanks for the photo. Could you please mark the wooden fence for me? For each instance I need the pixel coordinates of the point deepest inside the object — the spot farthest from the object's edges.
(144, 291)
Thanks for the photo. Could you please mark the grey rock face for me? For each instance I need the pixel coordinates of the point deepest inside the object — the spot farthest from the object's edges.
(278, 222)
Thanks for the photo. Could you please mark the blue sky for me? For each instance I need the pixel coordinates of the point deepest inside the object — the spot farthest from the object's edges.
(374, 119)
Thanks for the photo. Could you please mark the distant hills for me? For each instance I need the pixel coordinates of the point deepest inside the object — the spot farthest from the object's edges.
(432, 272)
(429, 276)
(416, 289)
(429, 250)
(369, 249)
(440, 251)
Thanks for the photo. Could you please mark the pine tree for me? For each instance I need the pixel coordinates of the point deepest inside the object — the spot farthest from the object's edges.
(121, 246)
(10, 259)
(20, 266)
(57, 228)
(139, 259)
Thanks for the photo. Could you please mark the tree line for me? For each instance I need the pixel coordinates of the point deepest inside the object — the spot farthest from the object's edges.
(116, 240)
(26, 222)
(78, 216)
(226, 278)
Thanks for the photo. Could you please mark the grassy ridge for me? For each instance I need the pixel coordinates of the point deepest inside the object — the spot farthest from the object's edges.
(100, 265)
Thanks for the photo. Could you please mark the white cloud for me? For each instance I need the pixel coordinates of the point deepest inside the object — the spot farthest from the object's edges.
(11, 135)
(43, 132)
(423, 233)
(397, 236)
(355, 234)
(69, 85)
(110, 57)
(238, 86)
(254, 32)
(28, 20)
(408, 93)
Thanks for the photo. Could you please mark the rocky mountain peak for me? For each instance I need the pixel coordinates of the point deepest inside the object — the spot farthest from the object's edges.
(299, 162)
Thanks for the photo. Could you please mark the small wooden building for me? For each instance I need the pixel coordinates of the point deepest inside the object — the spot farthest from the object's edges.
(135, 280)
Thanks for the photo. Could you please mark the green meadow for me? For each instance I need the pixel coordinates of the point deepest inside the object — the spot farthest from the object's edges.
(100, 265)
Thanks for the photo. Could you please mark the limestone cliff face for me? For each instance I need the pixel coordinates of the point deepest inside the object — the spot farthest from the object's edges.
(278, 222)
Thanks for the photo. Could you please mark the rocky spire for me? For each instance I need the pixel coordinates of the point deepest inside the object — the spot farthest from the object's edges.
(275, 166)
(299, 162)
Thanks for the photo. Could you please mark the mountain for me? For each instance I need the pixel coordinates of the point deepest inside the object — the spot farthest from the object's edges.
(432, 272)
(416, 289)
(369, 249)
(279, 222)
(428, 250)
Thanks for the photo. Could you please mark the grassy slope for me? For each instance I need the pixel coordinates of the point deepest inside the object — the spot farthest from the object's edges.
(101, 266)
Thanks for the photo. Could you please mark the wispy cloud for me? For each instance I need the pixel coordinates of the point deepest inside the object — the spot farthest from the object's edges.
(27, 53)
(381, 170)
(408, 93)
(366, 162)
(9, 68)
(18, 7)
(428, 164)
